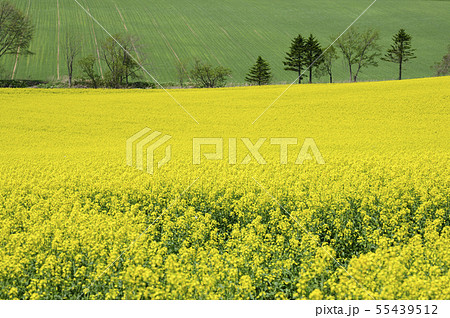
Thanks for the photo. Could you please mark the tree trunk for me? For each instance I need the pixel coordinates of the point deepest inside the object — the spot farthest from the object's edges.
(400, 69)
(331, 78)
(70, 71)
(299, 76)
(351, 73)
(310, 74)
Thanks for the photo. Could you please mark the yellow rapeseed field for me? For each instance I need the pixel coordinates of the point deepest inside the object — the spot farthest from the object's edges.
(76, 222)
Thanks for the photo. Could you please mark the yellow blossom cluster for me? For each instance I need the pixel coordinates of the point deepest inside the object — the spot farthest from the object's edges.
(373, 222)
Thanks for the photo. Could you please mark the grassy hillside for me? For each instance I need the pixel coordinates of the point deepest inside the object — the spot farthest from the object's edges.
(379, 206)
(232, 33)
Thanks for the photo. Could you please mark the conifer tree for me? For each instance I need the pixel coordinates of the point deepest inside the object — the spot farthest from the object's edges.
(313, 52)
(295, 58)
(400, 51)
(260, 73)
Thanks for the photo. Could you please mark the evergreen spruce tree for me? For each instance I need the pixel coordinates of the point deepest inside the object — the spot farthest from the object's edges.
(259, 74)
(400, 51)
(312, 53)
(295, 60)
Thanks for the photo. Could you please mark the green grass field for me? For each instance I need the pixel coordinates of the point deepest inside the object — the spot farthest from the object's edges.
(232, 33)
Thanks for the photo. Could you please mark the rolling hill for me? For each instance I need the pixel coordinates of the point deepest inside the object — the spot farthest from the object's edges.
(231, 33)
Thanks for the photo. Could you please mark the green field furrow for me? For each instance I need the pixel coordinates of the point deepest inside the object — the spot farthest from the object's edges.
(232, 33)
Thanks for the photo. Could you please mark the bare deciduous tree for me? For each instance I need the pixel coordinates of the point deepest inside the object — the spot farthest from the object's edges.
(207, 76)
(72, 48)
(182, 71)
(87, 68)
(443, 67)
(16, 30)
(120, 63)
(359, 50)
(326, 64)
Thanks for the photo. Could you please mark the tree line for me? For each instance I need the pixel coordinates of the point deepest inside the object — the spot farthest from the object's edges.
(359, 49)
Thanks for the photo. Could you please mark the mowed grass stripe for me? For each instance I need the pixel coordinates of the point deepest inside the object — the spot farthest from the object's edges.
(252, 28)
